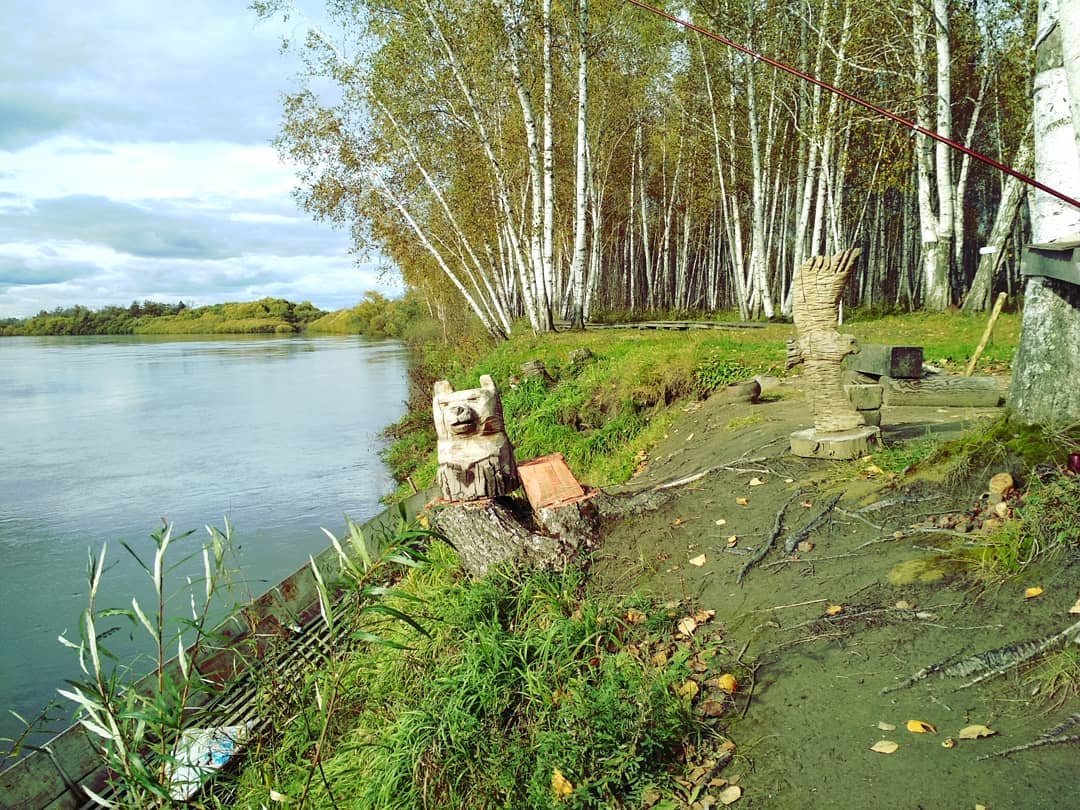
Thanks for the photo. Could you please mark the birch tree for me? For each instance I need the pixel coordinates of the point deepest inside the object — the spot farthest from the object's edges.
(1047, 363)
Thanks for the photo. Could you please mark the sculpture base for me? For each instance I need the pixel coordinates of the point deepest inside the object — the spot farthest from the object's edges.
(809, 443)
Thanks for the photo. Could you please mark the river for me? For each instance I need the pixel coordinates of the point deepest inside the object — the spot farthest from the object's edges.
(102, 438)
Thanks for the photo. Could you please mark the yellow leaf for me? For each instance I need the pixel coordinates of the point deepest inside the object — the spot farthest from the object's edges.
(278, 797)
(678, 522)
(687, 625)
(920, 727)
(832, 610)
(884, 746)
(1075, 608)
(720, 522)
(703, 616)
(886, 726)
(660, 659)
(948, 742)
(635, 616)
(727, 682)
(874, 469)
(561, 785)
(698, 560)
(734, 540)
(730, 794)
(689, 690)
(742, 501)
(1031, 593)
(974, 732)
(756, 482)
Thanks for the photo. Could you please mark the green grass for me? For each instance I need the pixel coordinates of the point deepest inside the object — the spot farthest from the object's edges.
(518, 675)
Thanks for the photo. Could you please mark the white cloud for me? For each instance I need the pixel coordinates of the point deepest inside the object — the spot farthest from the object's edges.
(135, 162)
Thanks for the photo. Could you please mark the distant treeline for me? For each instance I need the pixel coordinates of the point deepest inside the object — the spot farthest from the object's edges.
(376, 316)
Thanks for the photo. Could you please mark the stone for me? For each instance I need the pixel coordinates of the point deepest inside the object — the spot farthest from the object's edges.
(882, 360)
(476, 459)
(846, 444)
(871, 417)
(864, 397)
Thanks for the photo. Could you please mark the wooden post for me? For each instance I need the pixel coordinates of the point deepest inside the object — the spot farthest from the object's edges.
(986, 335)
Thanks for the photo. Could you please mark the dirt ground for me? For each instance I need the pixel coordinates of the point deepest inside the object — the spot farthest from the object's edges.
(811, 710)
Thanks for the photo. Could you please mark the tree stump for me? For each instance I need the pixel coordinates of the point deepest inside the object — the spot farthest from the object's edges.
(839, 430)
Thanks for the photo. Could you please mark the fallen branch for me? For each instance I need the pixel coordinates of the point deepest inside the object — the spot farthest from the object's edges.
(811, 560)
(797, 537)
(904, 535)
(887, 502)
(1055, 736)
(990, 663)
(777, 528)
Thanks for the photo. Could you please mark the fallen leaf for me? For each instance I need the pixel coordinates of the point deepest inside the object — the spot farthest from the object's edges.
(734, 540)
(920, 727)
(703, 616)
(720, 522)
(678, 522)
(699, 560)
(689, 690)
(884, 746)
(948, 742)
(756, 482)
(278, 797)
(742, 501)
(727, 683)
(789, 480)
(687, 625)
(806, 504)
(873, 469)
(886, 726)
(1075, 608)
(561, 785)
(980, 807)
(730, 794)
(660, 659)
(902, 605)
(832, 610)
(712, 708)
(974, 732)
(688, 438)
(635, 616)
(1031, 593)
(805, 546)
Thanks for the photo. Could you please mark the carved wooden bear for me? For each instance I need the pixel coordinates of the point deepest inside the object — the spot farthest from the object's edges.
(476, 459)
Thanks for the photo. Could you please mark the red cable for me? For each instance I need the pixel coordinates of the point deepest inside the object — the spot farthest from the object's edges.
(862, 103)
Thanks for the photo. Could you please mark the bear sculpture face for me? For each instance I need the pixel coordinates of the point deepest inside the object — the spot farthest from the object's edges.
(476, 459)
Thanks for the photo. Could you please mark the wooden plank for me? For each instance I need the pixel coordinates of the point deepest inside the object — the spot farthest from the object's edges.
(33, 783)
(549, 482)
(883, 360)
(945, 390)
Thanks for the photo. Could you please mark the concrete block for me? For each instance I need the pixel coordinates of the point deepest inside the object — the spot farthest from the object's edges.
(864, 397)
(883, 360)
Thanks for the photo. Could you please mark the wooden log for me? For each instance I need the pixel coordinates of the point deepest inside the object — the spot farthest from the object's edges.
(946, 391)
(883, 360)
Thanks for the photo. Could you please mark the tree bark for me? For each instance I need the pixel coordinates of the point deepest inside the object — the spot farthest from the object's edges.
(1047, 364)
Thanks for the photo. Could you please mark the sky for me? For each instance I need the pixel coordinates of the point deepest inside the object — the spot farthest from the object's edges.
(136, 162)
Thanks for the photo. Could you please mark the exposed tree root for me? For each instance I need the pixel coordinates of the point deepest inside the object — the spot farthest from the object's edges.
(989, 664)
(1055, 736)
(777, 528)
(795, 538)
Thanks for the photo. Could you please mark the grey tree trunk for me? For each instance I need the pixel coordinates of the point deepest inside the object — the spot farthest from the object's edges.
(1047, 364)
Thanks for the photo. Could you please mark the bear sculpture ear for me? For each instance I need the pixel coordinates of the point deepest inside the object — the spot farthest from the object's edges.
(486, 382)
(443, 387)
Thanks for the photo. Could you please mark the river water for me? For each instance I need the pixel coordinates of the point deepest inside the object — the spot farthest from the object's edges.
(102, 438)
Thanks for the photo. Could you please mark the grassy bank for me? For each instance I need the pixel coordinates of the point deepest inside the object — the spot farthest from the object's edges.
(602, 411)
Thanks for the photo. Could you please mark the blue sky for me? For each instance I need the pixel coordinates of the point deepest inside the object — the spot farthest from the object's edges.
(135, 162)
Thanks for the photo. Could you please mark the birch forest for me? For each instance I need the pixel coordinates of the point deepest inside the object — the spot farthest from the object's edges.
(538, 160)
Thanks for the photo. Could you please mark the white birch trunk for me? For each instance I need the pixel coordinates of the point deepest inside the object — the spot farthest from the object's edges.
(1047, 364)
(577, 273)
